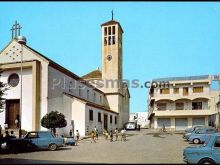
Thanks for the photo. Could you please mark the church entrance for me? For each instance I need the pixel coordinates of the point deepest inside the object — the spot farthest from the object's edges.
(12, 113)
(105, 122)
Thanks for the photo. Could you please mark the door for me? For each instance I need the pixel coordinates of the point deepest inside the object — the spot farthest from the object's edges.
(12, 112)
(181, 124)
(106, 122)
(198, 121)
(165, 121)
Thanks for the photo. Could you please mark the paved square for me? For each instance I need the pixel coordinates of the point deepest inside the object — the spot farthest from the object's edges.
(141, 147)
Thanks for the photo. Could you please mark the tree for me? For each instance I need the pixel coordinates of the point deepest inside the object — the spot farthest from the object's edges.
(3, 88)
(53, 120)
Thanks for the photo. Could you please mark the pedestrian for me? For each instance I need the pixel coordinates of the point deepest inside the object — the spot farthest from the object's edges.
(96, 133)
(123, 134)
(164, 128)
(111, 136)
(93, 137)
(106, 135)
(116, 134)
(7, 136)
(77, 136)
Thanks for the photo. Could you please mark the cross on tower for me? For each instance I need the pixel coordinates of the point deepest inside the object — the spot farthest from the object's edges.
(15, 30)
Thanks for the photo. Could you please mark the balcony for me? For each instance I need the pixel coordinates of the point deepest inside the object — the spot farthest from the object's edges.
(202, 112)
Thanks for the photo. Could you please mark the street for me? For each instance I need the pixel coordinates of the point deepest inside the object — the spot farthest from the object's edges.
(140, 147)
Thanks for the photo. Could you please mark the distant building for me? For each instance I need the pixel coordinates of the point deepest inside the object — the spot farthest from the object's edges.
(141, 118)
(186, 102)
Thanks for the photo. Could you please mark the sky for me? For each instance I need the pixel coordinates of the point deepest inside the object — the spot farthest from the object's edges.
(160, 39)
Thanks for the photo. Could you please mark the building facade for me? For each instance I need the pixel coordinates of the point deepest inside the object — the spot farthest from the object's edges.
(38, 85)
(181, 102)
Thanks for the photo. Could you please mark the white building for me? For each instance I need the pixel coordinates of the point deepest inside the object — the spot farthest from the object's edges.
(186, 102)
(141, 118)
(46, 86)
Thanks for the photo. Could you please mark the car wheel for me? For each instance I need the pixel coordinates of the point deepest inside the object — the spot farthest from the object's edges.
(52, 147)
(206, 161)
(196, 141)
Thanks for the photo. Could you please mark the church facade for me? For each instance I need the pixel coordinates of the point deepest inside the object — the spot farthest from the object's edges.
(38, 85)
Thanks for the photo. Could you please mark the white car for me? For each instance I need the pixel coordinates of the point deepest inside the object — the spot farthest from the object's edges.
(131, 126)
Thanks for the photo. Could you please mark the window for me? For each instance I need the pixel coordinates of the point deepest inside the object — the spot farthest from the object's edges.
(197, 89)
(80, 91)
(105, 31)
(110, 118)
(94, 97)
(113, 30)
(91, 115)
(185, 91)
(99, 117)
(113, 40)
(13, 80)
(115, 119)
(100, 99)
(217, 142)
(87, 94)
(109, 30)
(164, 91)
(179, 106)
(196, 105)
(175, 90)
(105, 41)
(109, 40)
(161, 106)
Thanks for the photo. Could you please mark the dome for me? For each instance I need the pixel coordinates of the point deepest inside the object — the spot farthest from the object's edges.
(21, 39)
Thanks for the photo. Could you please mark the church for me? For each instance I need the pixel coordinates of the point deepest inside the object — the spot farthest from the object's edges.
(38, 85)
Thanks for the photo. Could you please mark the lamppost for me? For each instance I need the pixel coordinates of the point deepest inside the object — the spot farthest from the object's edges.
(21, 40)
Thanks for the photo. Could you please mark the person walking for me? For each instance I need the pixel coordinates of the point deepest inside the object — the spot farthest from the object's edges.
(93, 137)
(77, 137)
(96, 133)
(123, 134)
(111, 136)
(116, 134)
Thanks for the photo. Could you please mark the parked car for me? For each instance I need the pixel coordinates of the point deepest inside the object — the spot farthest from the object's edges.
(69, 141)
(131, 126)
(189, 131)
(208, 153)
(201, 135)
(36, 140)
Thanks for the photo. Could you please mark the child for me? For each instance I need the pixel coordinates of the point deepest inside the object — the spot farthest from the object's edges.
(93, 136)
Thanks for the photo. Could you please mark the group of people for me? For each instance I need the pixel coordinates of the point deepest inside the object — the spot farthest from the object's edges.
(116, 133)
(5, 139)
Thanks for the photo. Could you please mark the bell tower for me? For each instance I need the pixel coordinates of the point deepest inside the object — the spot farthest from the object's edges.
(112, 54)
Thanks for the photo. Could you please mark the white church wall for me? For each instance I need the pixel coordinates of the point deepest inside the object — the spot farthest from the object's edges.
(15, 93)
(90, 125)
(60, 82)
(78, 115)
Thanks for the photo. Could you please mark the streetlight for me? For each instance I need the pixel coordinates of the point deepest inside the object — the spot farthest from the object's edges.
(22, 41)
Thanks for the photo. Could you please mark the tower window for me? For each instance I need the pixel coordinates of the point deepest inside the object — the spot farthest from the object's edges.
(109, 40)
(105, 41)
(113, 40)
(113, 29)
(105, 31)
(109, 30)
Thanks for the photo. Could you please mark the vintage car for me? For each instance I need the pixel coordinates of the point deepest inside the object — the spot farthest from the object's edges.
(36, 140)
(201, 135)
(191, 130)
(207, 153)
